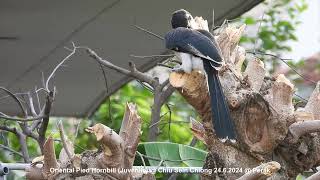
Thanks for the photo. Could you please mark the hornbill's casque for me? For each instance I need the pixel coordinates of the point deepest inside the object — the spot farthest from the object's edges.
(198, 50)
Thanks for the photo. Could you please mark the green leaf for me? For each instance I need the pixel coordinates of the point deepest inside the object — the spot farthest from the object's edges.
(300, 177)
(169, 151)
(163, 151)
(152, 151)
(188, 152)
(249, 21)
(177, 154)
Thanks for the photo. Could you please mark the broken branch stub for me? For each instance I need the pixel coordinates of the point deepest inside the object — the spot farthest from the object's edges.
(313, 105)
(255, 73)
(130, 132)
(50, 160)
(263, 171)
(112, 144)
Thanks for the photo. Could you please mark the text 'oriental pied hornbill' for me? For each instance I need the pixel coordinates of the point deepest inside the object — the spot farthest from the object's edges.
(198, 50)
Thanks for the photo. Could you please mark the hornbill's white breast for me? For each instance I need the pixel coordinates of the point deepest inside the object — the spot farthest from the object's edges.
(189, 62)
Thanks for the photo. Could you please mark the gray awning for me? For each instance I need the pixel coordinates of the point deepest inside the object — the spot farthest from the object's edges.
(33, 34)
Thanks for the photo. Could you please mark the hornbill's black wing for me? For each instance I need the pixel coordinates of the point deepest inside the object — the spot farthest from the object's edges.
(211, 37)
(188, 48)
(193, 42)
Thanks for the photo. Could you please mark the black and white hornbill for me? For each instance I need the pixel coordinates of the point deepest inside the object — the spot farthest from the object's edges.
(198, 50)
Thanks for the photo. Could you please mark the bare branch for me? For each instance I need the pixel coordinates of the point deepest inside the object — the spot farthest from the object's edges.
(284, 60)
(168, 160)
(112, 143)
(38, 99)
(10, 118)
(149, 32)
(301, 128)
(152, 56)
(166, 93)
(198, 130)
(22, 140)
(164, 65)
(142, 159)
(8, 129)
(16, 99)
(31, 105)
(315, 176)
(313, 105)
(164, 84)
(23, 144)
(45, 121)
(11, 150)
(268, 54)
(261, 172)
(134, 72)
(59, 65)
(64, 141)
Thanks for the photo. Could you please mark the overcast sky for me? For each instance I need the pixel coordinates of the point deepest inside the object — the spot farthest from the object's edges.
(308, 33)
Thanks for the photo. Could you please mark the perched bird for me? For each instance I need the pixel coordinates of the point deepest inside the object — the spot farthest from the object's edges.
(198, 50)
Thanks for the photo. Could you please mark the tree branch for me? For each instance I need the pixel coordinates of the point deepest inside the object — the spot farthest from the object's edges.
(64, 141)
(22, 141)
(45, 121)
(10, 118)
(301, 128)
(24, 148)
(8, 129)
(261, 172)
(73, 51)
(313, 105)
(255, 73)
(112, 144)
(11, 150)
(134, 72)
(315, 176)
(16, 99)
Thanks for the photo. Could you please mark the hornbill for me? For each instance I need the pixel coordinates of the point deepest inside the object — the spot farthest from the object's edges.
(198, 50)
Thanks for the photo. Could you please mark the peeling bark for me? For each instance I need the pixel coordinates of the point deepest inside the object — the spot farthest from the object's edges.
(261, 172)
(313, 105)
(49, 159)
(255, 73)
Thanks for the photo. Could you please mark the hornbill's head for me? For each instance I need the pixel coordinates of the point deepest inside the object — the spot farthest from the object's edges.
(182, 18)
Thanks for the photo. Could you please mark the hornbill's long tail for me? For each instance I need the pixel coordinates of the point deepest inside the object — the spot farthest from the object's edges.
(222, 122)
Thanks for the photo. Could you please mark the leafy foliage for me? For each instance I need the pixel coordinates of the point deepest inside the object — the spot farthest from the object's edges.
(179, 154)
(277, 26)
(134, 92)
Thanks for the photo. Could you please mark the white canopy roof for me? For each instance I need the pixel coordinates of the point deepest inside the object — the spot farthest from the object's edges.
(33, 34)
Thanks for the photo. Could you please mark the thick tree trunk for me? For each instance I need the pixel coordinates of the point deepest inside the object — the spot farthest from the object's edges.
(268, 128)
